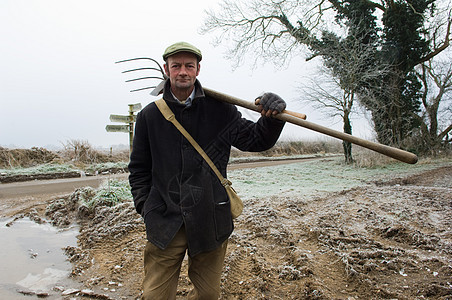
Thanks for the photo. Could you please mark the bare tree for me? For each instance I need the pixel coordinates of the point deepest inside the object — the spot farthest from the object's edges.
(277, 30)
(435, 73)
(340, 80)
(270, 30)
(324, 93)
(436, 116)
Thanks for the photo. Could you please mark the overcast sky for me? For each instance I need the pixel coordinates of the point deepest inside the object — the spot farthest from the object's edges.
(59, 80)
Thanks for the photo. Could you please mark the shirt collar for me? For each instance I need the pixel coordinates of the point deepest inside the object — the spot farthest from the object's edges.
(187, 101)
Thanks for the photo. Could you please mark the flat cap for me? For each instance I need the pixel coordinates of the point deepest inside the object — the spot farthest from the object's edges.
(181, 47)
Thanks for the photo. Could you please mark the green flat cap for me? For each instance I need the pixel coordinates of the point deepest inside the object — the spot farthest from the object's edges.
(182, 47)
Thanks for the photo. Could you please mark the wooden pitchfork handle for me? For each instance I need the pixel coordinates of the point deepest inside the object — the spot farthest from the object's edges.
(398, 154)
(245, 104)
(292, 113)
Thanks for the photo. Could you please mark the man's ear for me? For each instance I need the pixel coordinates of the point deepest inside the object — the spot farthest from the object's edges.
(199, 69)
(165, 67)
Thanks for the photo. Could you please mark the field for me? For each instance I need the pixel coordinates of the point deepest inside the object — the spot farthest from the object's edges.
(317, 229)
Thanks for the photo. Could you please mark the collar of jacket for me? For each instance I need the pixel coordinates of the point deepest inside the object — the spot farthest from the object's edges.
(168, 96)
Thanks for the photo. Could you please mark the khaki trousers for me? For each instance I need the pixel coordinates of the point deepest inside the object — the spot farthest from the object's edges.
(162, 269)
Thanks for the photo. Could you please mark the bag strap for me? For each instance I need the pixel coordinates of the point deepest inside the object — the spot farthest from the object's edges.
(169, 116)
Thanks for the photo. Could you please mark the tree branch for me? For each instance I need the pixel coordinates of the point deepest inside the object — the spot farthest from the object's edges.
(445, 44)
(377, 5)
(445, 132)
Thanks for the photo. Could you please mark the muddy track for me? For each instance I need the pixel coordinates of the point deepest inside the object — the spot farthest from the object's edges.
(388, 240)
(385, 241)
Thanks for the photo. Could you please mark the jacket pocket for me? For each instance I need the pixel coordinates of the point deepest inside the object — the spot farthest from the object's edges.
(153, 202)
(223, 219)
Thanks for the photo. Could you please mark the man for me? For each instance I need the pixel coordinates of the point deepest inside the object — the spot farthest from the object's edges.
(184, 205)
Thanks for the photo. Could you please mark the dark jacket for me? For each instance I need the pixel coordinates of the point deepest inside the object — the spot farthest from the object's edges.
(171, 183)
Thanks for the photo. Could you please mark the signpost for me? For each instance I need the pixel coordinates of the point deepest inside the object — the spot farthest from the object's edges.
(129, 120)
(122, 119)
(117, 128)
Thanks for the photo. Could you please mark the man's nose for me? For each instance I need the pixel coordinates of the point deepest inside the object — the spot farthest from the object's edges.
(183, 70)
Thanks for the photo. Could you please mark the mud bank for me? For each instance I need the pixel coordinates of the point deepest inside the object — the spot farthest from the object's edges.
(387, 239)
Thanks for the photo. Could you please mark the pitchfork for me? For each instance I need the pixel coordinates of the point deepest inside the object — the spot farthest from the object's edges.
(288, 116)
(157, 89)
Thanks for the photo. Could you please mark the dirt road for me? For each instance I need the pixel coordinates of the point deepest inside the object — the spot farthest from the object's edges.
(52, 186)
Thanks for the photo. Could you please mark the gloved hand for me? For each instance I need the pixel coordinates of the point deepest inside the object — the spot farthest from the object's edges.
(270, 104)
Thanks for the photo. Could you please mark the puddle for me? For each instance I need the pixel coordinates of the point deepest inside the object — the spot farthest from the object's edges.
(32, 259)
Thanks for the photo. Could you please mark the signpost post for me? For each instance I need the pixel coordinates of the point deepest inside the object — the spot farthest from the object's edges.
(129, 120)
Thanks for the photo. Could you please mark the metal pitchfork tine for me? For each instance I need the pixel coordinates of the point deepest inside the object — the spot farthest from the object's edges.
(285, 115)
(159, 69)
(141, 58)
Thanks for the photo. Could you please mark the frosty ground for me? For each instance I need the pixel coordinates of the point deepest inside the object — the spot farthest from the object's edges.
(313, 230)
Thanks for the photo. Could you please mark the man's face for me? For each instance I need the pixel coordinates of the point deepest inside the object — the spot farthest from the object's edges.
(182, 69)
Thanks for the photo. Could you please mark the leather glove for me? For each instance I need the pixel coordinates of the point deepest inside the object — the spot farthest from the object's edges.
(270, 104)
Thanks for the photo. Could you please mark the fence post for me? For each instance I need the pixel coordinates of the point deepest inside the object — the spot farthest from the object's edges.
(131, 121)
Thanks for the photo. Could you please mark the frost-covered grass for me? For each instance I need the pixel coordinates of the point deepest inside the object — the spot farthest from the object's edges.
(41, 169)
(235, 160)
(310, 178)
(110, 193)
(100, 167)
(300, 179)
(51, 168)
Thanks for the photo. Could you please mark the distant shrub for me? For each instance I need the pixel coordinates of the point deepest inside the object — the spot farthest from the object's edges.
(364, 158)
(24, 158)
(285, 148)
(82, 152)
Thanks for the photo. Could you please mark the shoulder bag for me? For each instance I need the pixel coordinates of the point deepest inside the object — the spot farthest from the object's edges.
(236, 202)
